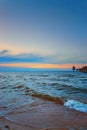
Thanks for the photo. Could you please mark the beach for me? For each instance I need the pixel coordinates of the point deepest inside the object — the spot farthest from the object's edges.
(44, 116)
(43, 101)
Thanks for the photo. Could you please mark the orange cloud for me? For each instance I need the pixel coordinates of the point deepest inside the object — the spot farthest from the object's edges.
(39, 65)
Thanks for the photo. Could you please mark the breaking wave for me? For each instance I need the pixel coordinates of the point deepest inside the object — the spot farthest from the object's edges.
(76, 105)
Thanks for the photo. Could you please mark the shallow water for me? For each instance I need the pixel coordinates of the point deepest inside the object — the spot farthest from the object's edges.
(19, 89)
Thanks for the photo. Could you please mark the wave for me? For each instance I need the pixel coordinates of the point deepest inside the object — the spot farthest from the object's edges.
(33, 93)
(76, 105)
(48, 97)
(71, 88)
(68, 75)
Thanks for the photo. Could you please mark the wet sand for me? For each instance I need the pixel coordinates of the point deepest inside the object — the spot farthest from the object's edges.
(44, 116)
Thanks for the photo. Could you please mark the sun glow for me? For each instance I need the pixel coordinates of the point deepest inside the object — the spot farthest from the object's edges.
(41, 66)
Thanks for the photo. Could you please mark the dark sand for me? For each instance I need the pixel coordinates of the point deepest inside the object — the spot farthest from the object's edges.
(44, 116)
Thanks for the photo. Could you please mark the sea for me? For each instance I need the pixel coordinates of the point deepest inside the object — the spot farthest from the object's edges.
(18, 89)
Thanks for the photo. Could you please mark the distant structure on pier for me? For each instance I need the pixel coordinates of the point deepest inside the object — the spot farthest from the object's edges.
(73, 68)
(82, 69)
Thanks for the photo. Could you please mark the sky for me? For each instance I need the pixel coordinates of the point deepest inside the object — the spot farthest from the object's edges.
(43, 34)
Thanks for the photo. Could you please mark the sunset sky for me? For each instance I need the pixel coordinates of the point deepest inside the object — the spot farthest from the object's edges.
(49, 34)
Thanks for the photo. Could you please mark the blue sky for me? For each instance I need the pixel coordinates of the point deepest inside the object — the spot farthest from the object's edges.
(43, 31)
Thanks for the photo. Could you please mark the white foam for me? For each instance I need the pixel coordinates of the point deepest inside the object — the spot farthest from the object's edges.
(76, 105)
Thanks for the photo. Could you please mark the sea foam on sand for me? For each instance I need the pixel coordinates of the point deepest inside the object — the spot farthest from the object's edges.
(76, 105)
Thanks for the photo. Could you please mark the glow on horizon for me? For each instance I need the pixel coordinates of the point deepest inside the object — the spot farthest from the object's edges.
(41, 66)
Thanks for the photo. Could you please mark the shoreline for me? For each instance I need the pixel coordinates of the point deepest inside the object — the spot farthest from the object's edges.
(44, 116)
